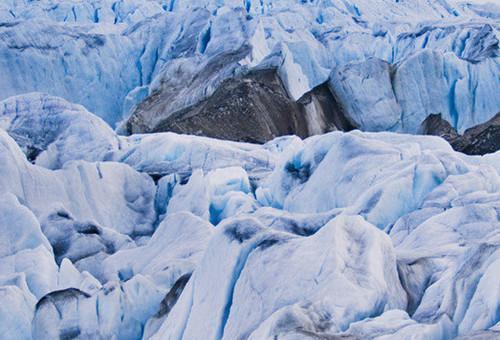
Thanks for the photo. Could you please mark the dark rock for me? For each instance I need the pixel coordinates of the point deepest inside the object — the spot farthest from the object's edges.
(483, 138)
(436, 126)
(478, 140)
(181, 87)
(254, 107)
(173, 295)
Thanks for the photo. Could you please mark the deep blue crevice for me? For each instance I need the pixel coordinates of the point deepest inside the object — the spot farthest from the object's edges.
(452, 105)
(205, 39)
(96, 15)
(114, 9)
(138, 65)
(248, 5)
(238, 268)
(74, 13)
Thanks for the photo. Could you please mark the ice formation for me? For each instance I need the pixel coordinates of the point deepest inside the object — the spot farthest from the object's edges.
(112, 55)
(374, 234)
(344, 234)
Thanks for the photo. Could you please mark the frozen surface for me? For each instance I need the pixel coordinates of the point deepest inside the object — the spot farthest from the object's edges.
(345, 234)
(120, 52)
(240, 275)
(110, 194)
(52, 131)
(353, 235)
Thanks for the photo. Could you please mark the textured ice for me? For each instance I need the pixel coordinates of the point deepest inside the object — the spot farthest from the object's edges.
(173, 251)
(25, 250)
(165, 236)
(460, 253)
(240, 275)
(52, 131)
(218, 195)
(378, 97)
(122, 51)
(169, 153)
(402, 170)
(396, 324)
(218, 239)
(110, 194)
(117, 310)
(148, 273)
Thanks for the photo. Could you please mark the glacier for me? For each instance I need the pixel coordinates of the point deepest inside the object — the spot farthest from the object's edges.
(143, 61)
(358, 234)
(249, 169)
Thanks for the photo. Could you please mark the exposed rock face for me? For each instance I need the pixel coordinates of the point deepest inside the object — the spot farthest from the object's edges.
(478, 140)
(253, 108)
(183, 85)
(372, 95)
(483, 138)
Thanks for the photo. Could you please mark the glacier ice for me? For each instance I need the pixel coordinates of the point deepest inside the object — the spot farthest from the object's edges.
(26, 255)
(166, 235)
(176, 53)
(372, 235)
(239, 276)
(52, 131)
(88, 191)
(381, 97)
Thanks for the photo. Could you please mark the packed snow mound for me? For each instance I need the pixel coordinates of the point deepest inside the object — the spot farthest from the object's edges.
(174, 54)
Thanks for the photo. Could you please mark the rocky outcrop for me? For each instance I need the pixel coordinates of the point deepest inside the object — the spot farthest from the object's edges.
(372, 95)
(478, 140)
(254, 107)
